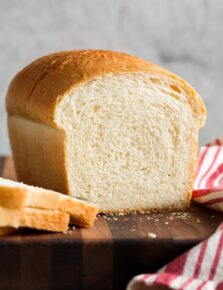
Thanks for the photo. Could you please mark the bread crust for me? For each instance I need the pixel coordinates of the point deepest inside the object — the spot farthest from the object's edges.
(49, 220)
(13, 197)
(35, 91)
(125, 211)
(37, 151)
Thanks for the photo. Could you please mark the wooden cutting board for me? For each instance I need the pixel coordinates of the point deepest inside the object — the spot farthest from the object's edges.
(105, 257)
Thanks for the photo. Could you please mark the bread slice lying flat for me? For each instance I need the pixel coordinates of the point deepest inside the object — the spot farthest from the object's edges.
(49, 220)
(16, 195)
(107, 127)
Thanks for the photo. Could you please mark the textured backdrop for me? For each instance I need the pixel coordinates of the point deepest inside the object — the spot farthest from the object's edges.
(184, 36)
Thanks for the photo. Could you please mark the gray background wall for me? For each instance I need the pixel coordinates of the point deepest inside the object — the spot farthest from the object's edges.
(186, 36)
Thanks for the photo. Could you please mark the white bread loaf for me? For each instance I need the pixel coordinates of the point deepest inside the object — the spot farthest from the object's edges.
(18, 195)
(107, 127)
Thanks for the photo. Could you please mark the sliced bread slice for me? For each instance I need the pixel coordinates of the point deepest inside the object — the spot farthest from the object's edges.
(48, 220)
(16, 195)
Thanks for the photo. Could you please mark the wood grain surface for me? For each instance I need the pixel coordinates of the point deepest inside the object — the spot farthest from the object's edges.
(105, 257)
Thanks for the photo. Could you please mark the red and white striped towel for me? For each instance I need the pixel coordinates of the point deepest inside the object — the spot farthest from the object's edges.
(208, 186)
(201, 268)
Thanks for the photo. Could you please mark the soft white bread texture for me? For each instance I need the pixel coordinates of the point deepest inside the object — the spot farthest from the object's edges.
(48, 220)
(107, 127)
(17, 195)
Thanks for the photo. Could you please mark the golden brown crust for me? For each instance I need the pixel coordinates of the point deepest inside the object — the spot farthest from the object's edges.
(36, 90)
(39, 153)
(81, 213)
(12, 197)
(49, 220)
(125, 211)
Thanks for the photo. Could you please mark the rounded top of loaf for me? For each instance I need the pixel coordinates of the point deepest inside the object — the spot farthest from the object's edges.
(36, 90)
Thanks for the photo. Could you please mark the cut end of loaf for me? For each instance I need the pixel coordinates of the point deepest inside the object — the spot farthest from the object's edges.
(131, 142)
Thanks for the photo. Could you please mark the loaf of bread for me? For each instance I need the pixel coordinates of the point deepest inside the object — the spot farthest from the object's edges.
(106, 127)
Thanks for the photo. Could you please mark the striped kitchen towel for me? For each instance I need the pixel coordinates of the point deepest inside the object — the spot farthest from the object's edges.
(208, 186)
(201, 268)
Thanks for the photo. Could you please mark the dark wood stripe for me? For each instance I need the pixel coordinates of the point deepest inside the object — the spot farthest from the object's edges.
(66, 261)
(35, 264)
(125, 249)
(97, 257)
(2, 163)
(9, 266)
(160, 250)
